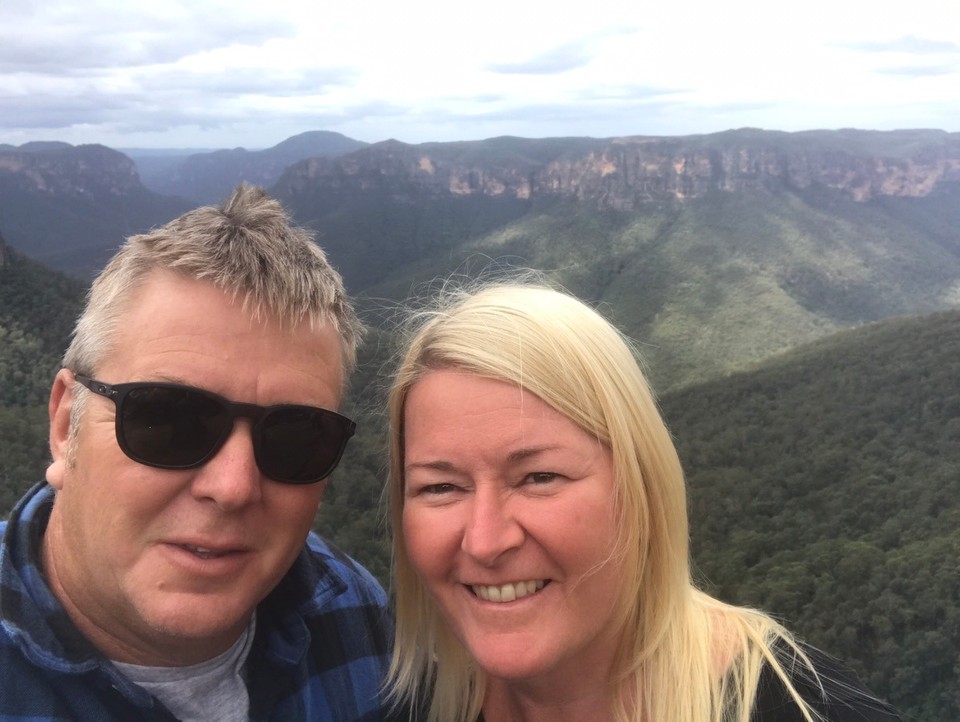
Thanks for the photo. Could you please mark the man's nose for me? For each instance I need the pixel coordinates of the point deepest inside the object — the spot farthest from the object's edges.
(231, 478)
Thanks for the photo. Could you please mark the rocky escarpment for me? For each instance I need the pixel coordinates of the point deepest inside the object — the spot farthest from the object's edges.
(209, 177)
(69, 207)
(622, 173)
(62, 170)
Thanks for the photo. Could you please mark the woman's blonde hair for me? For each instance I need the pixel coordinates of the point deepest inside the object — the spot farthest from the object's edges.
(682, 654)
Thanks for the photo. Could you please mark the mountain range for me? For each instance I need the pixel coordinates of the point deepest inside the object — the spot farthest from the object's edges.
(825, 485)
(714, 250)
(70, 207)
(205, 178)
(794, 296)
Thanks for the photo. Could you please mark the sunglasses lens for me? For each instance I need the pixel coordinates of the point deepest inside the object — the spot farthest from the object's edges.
(171, 427)
(179, 427)
(300, 445)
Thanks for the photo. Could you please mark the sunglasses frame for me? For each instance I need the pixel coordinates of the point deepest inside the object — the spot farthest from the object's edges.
(235, 409)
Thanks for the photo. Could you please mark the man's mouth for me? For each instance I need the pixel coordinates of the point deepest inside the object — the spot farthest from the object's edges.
(508, 592)
(204, 552)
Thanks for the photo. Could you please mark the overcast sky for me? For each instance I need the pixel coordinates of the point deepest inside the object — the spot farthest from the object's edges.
(229, 73)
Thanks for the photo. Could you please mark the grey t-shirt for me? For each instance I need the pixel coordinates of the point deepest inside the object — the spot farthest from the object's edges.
(211, 690)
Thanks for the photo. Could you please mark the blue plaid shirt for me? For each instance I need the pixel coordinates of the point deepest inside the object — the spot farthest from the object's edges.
(320, 652)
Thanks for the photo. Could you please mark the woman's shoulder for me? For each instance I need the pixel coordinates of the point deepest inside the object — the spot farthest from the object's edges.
(835, 692)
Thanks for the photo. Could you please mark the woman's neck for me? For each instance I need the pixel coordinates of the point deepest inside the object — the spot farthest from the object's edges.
(512, 701)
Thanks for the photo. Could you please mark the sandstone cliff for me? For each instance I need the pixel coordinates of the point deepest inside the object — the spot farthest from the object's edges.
(622, 173)
(209, 177)
(69, 207)
(61, 170)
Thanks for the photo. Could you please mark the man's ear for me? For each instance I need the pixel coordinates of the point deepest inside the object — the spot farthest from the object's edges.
(61, 401)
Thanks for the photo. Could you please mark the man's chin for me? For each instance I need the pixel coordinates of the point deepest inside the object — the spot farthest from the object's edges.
(194, 628)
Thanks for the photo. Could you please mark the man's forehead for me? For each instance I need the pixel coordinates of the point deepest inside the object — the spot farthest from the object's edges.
(255, 303)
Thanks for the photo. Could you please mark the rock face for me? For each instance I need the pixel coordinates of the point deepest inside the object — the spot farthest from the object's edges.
(209, 177)
(622, 173)
(61, 170)
(69, 207)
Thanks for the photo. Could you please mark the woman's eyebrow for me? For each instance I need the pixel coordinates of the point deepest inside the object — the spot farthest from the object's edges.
(514, 457)
(528, 452)
(438, 465)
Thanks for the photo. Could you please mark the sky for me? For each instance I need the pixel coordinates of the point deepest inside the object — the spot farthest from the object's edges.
(208, 74)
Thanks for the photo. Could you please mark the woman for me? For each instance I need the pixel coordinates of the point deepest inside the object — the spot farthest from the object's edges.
(541, 542)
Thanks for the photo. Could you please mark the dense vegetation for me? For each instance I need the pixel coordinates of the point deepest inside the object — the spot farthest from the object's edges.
(825, 487)
(709, 284)
(77, 227)
(715, 250)
(823, 481)
(37, 312)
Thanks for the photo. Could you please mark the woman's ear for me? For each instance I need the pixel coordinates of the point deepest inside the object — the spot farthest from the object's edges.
(61, 402)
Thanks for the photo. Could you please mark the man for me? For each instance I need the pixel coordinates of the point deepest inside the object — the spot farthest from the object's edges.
(166, 570)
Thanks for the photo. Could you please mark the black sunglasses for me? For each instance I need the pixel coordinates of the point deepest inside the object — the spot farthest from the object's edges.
(171, 426)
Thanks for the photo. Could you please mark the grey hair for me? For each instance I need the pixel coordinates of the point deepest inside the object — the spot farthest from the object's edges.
(248, 248)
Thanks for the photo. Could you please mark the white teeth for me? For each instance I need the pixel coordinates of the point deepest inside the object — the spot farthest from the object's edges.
(507, 592)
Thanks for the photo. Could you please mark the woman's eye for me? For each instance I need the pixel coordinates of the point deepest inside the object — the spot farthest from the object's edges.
(437, 489)
(541, 477)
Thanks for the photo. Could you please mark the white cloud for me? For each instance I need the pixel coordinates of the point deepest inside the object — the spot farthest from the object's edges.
(212, 73)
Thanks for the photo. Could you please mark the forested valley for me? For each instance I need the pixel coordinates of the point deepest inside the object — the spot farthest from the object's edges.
(803, 335)
(824, 483)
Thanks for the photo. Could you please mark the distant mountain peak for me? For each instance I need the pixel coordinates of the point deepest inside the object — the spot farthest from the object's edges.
(209, 177)
(42, 146)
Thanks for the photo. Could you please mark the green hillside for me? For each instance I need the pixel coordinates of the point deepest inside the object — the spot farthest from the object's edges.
(70, 207)
(38, 225)
(709, 285)
(823, 481)
(37, 310)
(825, 487)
